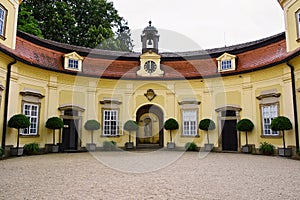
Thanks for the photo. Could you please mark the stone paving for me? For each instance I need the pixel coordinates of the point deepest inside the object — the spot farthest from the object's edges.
(171, 175)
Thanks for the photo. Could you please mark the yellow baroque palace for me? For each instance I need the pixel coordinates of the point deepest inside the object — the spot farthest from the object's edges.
(259, 80)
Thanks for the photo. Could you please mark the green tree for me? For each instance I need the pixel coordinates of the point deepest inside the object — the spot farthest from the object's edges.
(245, 125)
(54, 123)
(281, 123)
(206, 125)
(92, 125)
(129, 126)
(171, 124)
(18, 121)
(88, 23)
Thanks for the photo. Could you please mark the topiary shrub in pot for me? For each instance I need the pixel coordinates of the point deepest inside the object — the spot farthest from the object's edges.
(1, 152)
(282, 123)
(91, 125)
(54, 123)
(130, 126)
(245, 125)
(207, 125)
(18, 122)
(171, 124)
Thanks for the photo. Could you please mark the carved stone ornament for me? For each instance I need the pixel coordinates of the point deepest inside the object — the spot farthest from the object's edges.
(150, 94)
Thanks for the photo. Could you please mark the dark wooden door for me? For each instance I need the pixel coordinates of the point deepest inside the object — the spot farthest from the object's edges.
(229, 135)
(70, 134)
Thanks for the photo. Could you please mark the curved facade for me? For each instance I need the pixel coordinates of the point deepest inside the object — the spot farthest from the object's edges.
(253, 80)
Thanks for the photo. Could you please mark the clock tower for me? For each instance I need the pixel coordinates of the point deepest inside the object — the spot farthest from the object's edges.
(150, 59)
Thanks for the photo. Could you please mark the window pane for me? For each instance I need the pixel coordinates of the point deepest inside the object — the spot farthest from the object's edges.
(2, 20)
(31, 111)
(110, 121)
(269, 112)
(189, 122)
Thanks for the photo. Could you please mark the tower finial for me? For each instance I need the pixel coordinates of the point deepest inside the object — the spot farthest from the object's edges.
(150, 23)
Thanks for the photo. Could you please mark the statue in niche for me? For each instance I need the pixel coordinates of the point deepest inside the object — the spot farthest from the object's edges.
(147, 127)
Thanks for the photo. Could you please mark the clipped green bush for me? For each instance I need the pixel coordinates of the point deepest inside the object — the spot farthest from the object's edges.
(129, 126)
(245, 125)
(31, 148)
(54, 123)
(109, 145)
(1, 152)
(281, 123)
(18, 121)
(266, 148)
(171, 124)
(92, 125)
(190, 146)
(206, 125)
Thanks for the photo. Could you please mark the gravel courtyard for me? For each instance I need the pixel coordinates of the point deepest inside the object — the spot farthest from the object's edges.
(173, 175)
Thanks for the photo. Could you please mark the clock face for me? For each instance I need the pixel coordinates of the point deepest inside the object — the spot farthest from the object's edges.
(150, 66)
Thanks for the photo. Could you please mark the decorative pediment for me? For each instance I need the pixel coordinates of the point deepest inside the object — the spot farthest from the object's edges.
(226, 56)
(73, 55)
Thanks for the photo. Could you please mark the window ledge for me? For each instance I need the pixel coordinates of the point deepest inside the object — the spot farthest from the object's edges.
(29, 136)
(271, 136)
(190, 136)
(2, 37)
(110, 136)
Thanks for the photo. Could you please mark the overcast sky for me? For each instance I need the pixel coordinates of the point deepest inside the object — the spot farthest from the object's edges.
(195, 24)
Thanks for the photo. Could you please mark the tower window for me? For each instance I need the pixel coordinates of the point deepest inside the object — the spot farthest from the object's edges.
(3, 14)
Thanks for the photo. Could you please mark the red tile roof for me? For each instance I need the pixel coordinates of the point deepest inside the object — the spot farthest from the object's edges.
(184, 65)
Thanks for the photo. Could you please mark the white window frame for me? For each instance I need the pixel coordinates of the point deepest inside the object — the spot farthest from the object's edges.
(268, 113)
(226, 65)
(73, 64)
(33, 118)
(111, 125)
(189, 122)
(3, 16)
(298, 23)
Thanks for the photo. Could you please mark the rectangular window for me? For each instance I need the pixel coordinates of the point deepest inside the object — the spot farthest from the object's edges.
(298, 23)
(73, 64)
(3, 13)
(189, 123)
(110, 123)
(226, 64)
(32, 112)
(268, 113)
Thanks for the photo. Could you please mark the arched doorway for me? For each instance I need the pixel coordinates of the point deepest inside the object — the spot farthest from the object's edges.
(151, 132)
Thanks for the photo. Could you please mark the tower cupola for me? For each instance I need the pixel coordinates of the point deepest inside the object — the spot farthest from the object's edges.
(150, 38)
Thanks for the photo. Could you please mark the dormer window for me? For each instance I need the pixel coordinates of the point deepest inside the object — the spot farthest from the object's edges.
(73, 62)
(3, 14)
(226, 62)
